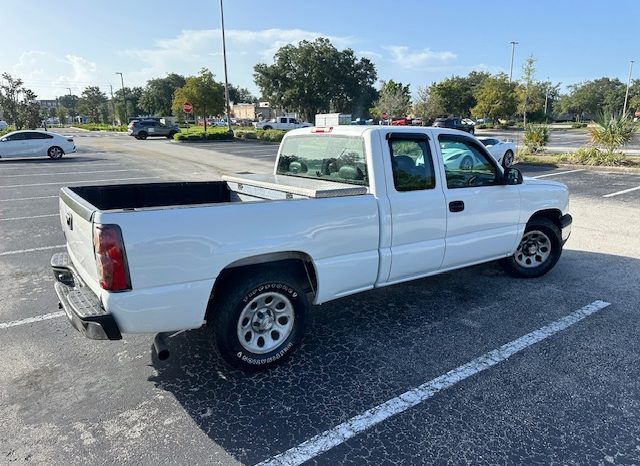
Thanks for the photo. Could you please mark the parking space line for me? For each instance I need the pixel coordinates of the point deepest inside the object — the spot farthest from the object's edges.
(27, 198)
(341, 433)
(622, 192)
(51, 164)
(560, 173)
(83, 181)
(27, 218)
(31, 320)
(23, 251)
(74, 173)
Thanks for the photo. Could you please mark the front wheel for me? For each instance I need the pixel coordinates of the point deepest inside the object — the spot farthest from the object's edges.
(538, 251)
(171, 134)
(261, 319)
(55, 152)
(507, 160)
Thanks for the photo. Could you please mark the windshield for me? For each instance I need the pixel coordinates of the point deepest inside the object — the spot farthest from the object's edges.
(324, 157)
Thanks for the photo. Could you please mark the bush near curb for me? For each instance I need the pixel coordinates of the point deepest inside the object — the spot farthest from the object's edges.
(594, 156)
(271, 135)
(198, 134)
(102, 127)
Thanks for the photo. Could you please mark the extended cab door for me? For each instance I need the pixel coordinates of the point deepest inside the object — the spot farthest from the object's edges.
(418, 212)
(482, 213)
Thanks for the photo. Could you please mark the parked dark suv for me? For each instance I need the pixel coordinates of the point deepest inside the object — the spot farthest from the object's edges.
(454, 123)
(142, 129)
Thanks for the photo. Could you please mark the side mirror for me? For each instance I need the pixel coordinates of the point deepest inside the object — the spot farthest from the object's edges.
(512, 176)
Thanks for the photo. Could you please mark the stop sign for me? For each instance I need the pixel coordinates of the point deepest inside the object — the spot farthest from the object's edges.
(384, 115)
(187, 107)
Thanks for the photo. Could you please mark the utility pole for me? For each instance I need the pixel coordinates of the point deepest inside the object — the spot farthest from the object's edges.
(124, 97)
(513, 51)
(546, 97)
(73, 111)
(226, 81)
(626, 96)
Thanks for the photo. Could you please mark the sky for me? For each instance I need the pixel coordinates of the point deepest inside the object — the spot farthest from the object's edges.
(53, 46)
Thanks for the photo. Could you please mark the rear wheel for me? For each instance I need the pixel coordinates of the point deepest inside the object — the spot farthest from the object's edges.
(538, 251)
(261, 319)
(142, 135)
(507, 160)
(267, 127)
(55, 152)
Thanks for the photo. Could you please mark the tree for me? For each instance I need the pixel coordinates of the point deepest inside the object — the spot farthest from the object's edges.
(205, 94)
(528, 73)
(70, 102)
(157, 97)
(92, 103)
(394, 100)
(495, 97)
(133, 102)
(428, 104)
(594, 97)
(240, 95)
(61, 113)
(314, 77)
(18, 103)
(457, 94)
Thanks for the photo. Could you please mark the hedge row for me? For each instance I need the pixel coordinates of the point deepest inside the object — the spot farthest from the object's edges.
(102, 127)
(271, 135)
(200, 135)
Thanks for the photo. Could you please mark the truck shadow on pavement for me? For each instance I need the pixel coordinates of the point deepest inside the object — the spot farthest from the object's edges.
(363, 350)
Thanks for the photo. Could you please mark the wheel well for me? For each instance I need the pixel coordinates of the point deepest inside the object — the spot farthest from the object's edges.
(297, 263)
(553, 215)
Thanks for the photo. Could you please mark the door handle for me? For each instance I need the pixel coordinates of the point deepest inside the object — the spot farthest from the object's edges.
(456, 206)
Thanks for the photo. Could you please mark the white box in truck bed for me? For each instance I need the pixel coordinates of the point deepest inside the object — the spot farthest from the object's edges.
(272, 186)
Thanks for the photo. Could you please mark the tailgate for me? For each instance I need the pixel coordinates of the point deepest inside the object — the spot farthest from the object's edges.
(76, 217)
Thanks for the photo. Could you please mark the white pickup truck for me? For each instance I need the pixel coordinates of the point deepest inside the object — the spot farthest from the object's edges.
(285, 123)
(346, 209)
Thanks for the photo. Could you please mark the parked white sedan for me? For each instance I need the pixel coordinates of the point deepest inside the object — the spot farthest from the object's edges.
(30, 143)
(502, 151)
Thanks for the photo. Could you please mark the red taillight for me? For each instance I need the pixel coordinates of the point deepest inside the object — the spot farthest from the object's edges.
(321, 129)
(113, 271)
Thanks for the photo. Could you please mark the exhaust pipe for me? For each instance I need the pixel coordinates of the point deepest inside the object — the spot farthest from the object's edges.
(161, 345)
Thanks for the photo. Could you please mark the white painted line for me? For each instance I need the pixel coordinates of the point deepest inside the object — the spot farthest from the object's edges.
(23, 251)
(28, 198)
(74, 182)
(622, 192)
(349, 429)
(27, 218)
(31, 320)
(74, 173)
(560, 173)
(48, 165)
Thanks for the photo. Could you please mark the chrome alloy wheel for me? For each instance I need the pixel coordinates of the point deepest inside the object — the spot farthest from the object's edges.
(265, 322)
(533, 250)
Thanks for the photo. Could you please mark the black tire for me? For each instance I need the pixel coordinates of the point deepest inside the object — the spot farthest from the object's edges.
(507, 160)
(466, 163)
(267, 127)
(142, 135)
(55, 152)
(171, 134)
(472, 131)
(263, 297)
(527, 263)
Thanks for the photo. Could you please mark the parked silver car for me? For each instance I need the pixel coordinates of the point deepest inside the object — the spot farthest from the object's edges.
(142, 129)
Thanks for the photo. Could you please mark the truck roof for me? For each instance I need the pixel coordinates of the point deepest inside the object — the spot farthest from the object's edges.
(359, 130)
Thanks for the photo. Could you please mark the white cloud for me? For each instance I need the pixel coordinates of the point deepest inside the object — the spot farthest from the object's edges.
(402, 56)
(49, 75)
(194, 49)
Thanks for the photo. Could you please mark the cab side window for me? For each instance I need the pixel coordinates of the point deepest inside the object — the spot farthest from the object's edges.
(466, 163)
(411, 163)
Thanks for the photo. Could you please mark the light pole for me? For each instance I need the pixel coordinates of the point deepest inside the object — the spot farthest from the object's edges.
(73, 111)
(224, 59)
(546, 97)
(513, 51)
(124, 97)
(626, 96)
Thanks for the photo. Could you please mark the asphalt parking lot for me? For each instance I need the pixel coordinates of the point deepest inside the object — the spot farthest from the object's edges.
(403, 375)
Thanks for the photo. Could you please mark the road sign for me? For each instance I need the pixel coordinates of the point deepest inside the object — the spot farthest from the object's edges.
(384, 115)
(187, 107)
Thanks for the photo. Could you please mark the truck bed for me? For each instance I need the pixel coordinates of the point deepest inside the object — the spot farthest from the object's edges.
(135, 196)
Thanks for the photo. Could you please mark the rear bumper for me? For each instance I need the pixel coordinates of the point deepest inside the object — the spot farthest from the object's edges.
(83, 308)
(565, 226)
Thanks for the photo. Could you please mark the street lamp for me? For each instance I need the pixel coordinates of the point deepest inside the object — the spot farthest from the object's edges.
(124, 97)
(224, 59)
(513, 50)
(626, 96)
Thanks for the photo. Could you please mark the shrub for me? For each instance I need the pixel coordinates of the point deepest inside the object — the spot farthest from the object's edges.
(102, 127)
(578, 125)
(198, 134)
(219, 135)
(272, 135)
(613, 131)
(536, 137)
(593, 156)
